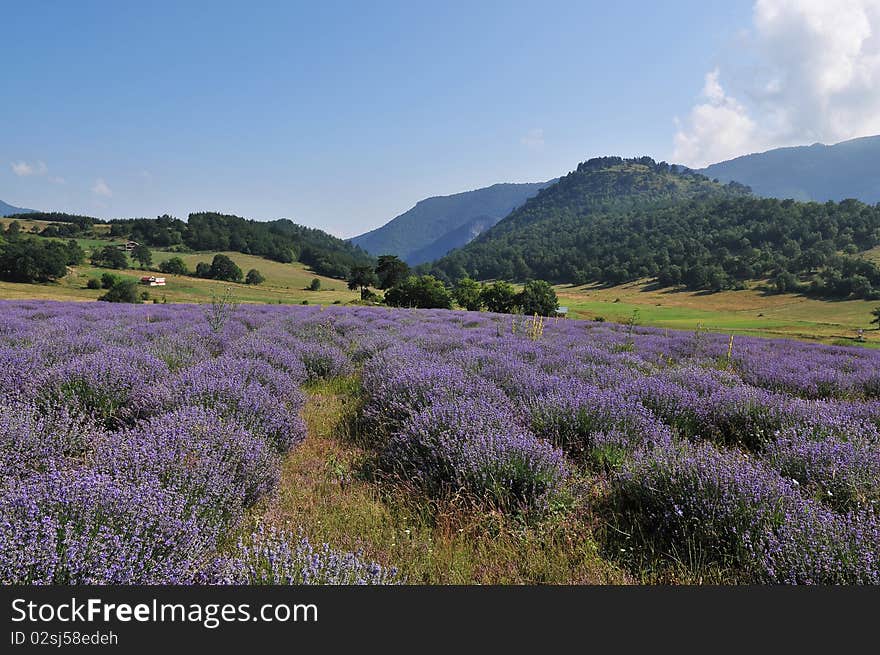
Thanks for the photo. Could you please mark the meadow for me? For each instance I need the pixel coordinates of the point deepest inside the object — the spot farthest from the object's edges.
(285, 283)
(274, 444)
(751, 311)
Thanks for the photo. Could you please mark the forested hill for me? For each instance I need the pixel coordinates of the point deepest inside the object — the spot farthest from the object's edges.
(616, 220)
(436, 225)
(281, 240)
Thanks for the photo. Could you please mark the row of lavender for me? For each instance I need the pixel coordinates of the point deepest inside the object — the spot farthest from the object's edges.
(133, 440)
(763, 456)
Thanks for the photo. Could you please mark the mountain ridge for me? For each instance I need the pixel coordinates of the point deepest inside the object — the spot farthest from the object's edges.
(440, 220)
(9, 210)
(816, 172)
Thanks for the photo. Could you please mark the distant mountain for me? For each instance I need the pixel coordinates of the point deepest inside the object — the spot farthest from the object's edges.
(9, 210)
(458, 237)
(850, 169)
(436, 225)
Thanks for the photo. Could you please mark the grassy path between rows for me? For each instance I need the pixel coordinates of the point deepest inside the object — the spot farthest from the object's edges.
(327, 492)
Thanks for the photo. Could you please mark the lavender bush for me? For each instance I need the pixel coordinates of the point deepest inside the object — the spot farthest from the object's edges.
(467, 445)
(271, 557)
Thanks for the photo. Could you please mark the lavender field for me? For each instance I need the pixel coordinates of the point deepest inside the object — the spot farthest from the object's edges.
(139, 442)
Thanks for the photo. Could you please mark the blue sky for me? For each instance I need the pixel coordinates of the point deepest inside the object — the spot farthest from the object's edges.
(343, 115)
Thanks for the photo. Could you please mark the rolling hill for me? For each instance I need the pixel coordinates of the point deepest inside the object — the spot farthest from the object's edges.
(281, 240)
(818, 172)
(437, 225)
(9, 210)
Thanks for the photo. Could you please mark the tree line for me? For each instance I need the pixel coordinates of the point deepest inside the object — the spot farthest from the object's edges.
(279, 240)
(26, 259)
(403, 288)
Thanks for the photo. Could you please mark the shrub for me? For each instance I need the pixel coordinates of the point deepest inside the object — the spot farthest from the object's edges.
(537, 297)
(110, 257)
(323, 361)
(709, 506)
(468, 294)
(254, 277)
(34, 438)
(93, 283)
(223, 268)
(174, 266)
(423, 291)
(114, 384)
(465, 444)
(270, 557)
(499, 297)
(842, 473)
(213, 461)
(586, 420)
(108, 280)
(123, 291)
(263, 400)
(81, 527)
(315, 284)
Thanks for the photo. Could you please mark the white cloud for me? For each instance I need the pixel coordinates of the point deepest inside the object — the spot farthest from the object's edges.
(717, 127)
(101, 189)
(533, 138)
(25, 169)
(816, 77)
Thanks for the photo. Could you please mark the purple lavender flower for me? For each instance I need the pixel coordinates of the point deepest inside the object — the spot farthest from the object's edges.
(466, 444)
(269, 556)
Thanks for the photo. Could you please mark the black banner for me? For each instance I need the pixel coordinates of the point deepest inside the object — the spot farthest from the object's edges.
(131, 619)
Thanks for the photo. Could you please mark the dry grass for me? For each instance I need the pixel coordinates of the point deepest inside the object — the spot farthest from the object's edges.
(324, 492)
(285, 283)
(28, 224)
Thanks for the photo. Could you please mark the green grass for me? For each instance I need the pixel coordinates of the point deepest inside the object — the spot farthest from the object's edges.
(327, 492)
(750, 311)
(872, 255)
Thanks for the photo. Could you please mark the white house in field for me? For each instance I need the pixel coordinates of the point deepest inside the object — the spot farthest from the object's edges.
(153, 281)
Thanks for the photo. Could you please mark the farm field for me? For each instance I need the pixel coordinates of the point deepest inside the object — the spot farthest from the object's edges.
(276, 444)
(750, 311)
(285, 283)
(102, 229)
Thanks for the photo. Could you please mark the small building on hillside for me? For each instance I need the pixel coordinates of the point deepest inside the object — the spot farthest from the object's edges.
(562, 311)
(153, 281)
(128, 246)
